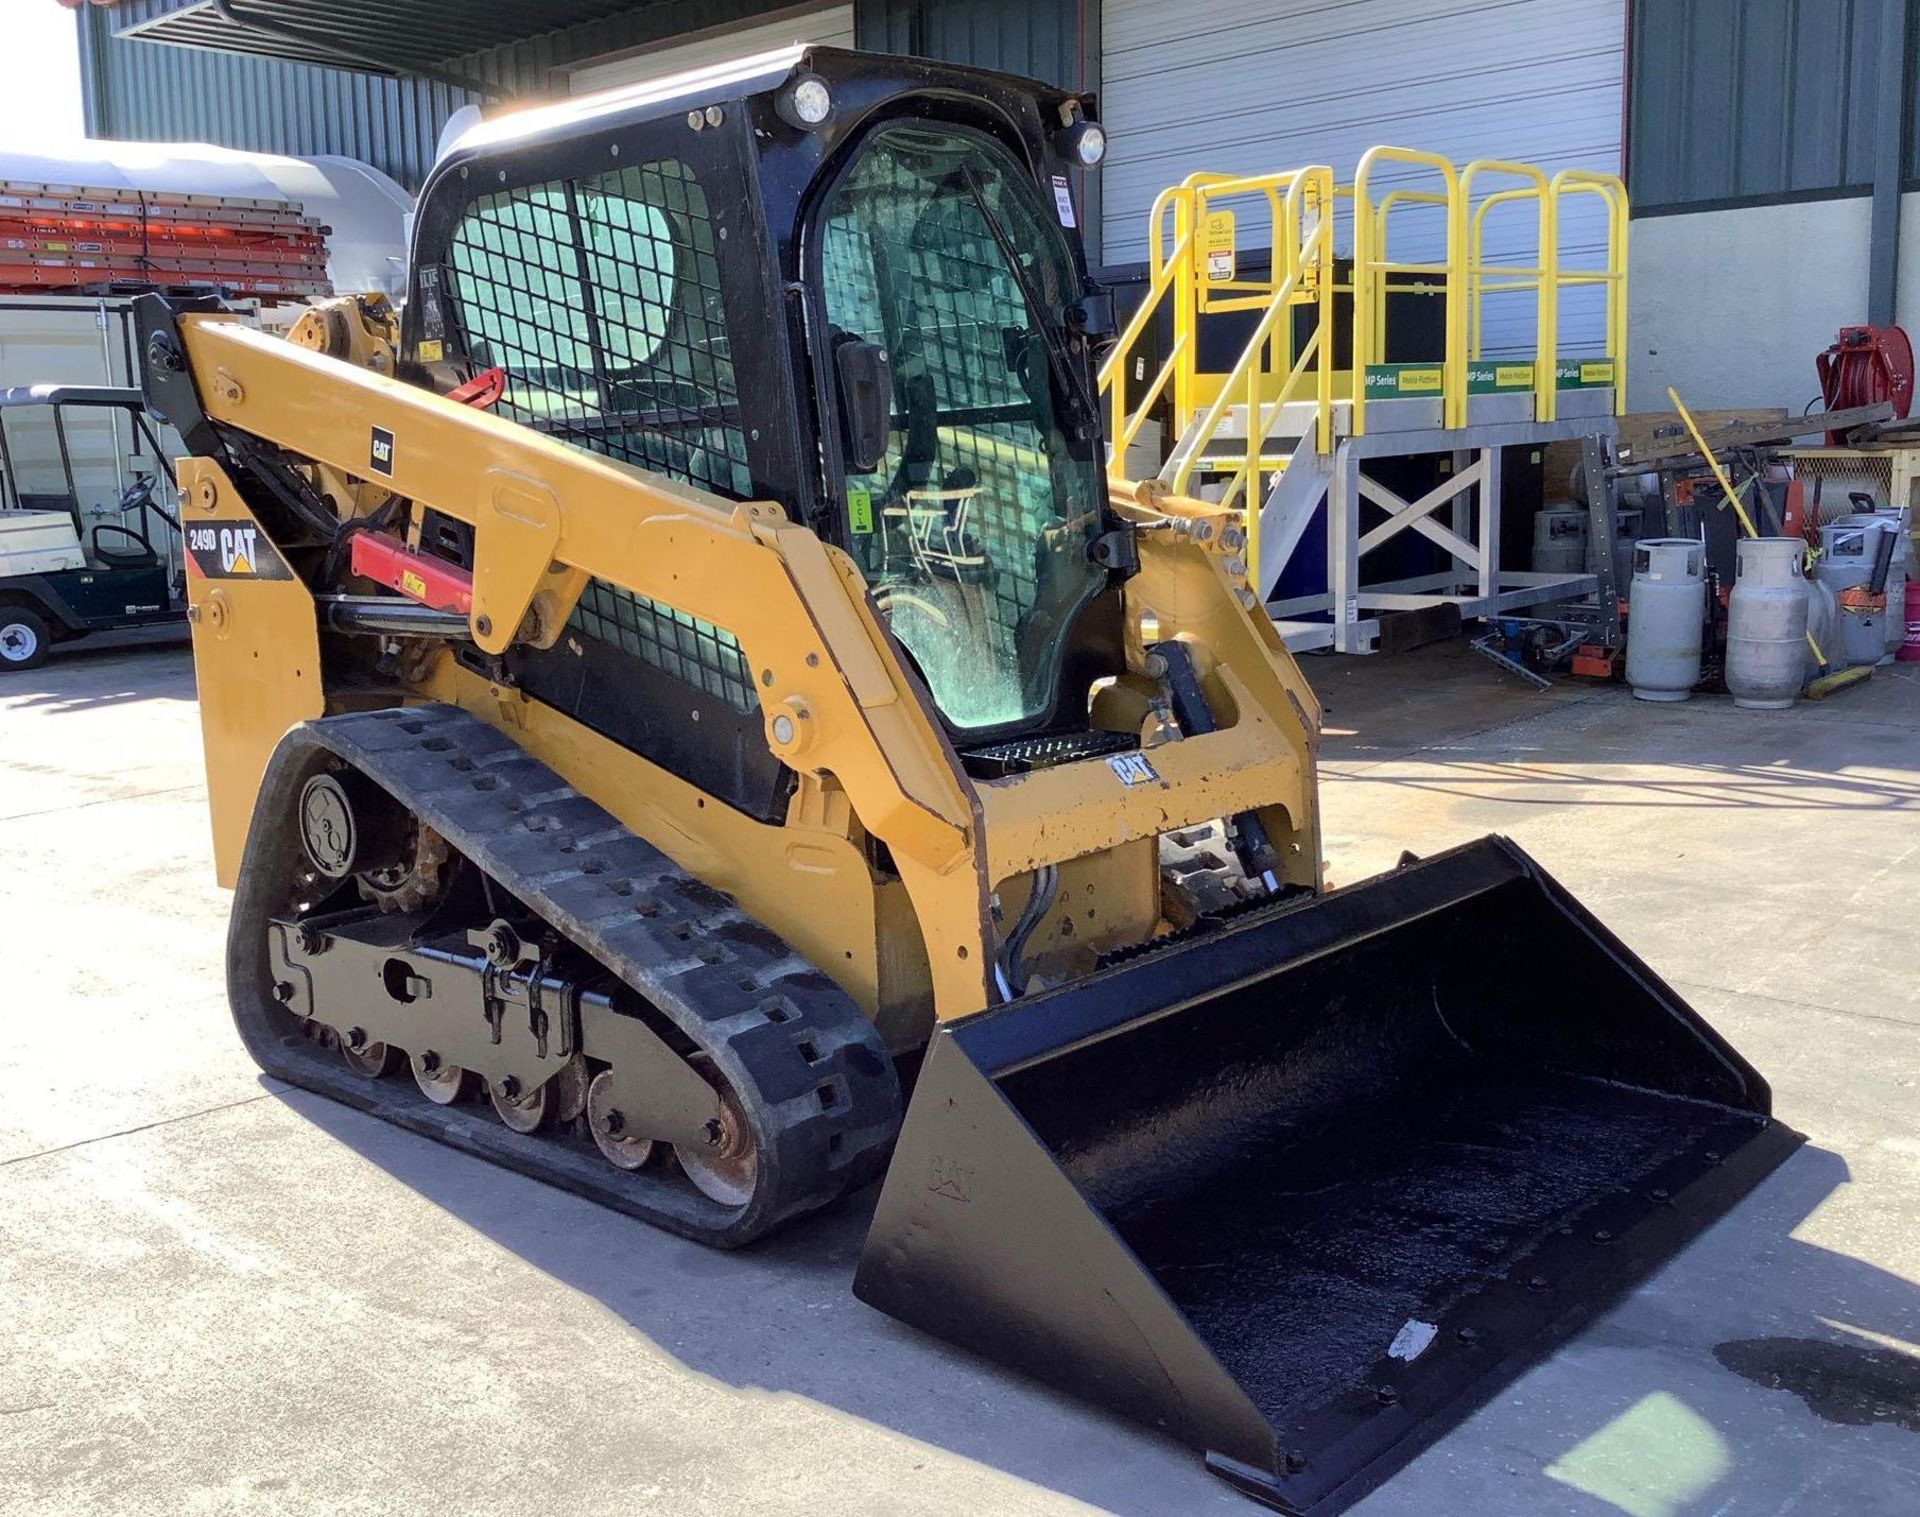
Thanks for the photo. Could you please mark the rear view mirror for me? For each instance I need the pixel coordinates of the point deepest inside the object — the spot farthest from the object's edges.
(866, 403)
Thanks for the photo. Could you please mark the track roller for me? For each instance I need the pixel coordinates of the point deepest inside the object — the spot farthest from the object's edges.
(556, 1102)
(365, 1057)
(527, 1111)
(608, 1125)
(442, 1083)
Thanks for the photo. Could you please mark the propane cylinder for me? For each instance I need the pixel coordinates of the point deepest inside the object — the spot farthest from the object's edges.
(1560, 540)
(1767, 623)
(1665, 608)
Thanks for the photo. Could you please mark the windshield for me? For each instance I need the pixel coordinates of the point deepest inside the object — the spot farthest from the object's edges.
(974, 530)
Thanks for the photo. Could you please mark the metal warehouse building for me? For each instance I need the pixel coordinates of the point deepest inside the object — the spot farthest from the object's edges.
(1766, 145)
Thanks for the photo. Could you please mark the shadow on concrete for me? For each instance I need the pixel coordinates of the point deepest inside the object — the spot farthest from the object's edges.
(780, 1317)
(1429, 722)
(1569, 775)
(93, 673)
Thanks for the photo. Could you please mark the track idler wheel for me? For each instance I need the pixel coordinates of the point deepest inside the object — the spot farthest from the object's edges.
(729, 1167)
(442, 1083)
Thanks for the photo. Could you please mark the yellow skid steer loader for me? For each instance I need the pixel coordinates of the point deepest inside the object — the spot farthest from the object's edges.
(686, 682)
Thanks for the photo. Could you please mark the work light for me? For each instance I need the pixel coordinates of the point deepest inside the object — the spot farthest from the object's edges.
(805, 103)
(1084, 143)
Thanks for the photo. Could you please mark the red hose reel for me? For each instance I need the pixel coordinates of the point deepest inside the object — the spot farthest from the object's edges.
(1864, 366)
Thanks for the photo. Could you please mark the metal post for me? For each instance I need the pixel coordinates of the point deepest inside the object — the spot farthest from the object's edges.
(1490, 524)
(1462, 513)
(1603, 526)
(1889, 148)
(1343, 549)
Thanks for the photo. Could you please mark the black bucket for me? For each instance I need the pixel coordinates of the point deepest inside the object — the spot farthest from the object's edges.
(1306, 1190)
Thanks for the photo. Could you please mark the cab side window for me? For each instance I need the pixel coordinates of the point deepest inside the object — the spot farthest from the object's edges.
(600, 299)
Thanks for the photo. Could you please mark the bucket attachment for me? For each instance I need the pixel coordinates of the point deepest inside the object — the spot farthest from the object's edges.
(1306, 1190)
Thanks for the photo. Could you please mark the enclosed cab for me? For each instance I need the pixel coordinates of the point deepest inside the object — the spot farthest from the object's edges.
(855, 288)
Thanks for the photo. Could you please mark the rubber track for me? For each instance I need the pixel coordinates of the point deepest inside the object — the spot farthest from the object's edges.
(819, 1089)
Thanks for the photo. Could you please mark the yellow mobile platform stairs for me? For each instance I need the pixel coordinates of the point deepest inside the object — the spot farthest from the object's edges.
(1314, 393)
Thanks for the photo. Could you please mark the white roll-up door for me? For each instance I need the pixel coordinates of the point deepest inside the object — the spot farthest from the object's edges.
(828, 26)
(1274, 84)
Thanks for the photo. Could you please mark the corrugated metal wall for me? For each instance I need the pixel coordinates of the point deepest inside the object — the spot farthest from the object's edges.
(1277, 84)
(1046, 39)
(527, 67)
(152, 93)
(1750, 100)
(146, 91)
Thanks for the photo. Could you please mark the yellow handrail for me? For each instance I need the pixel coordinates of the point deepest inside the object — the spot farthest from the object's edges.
(1245, 366)
(1542, 276)
(1315, 253)
(1369, 267)
(1182, 291)
(1613, 193)
(1387, 202)
(1171, 271)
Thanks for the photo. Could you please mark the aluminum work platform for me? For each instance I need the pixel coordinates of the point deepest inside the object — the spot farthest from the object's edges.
(1298, 423)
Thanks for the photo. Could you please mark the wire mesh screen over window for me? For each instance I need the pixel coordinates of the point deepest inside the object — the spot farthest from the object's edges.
(705, 656)
(973, 529)
(600, 299)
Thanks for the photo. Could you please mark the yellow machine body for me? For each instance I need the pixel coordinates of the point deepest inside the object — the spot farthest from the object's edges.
(865, 739)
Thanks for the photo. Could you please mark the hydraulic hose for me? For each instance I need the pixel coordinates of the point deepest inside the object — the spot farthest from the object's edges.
(1009, 972)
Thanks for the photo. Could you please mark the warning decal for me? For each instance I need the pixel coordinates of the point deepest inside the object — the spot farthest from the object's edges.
(233, 550)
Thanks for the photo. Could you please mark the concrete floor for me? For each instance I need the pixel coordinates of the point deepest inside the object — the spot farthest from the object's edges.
(224, 1296)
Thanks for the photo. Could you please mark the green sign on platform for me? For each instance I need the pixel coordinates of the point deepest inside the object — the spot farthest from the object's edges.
(1582, 373)
(1499, 378)
(1404, 381)
(1425, 381)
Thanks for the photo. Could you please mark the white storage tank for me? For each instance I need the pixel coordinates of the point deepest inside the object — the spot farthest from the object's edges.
(1767, 623)
(1665, 608)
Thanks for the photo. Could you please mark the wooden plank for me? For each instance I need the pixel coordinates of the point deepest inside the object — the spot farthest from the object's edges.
(1636, 433)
